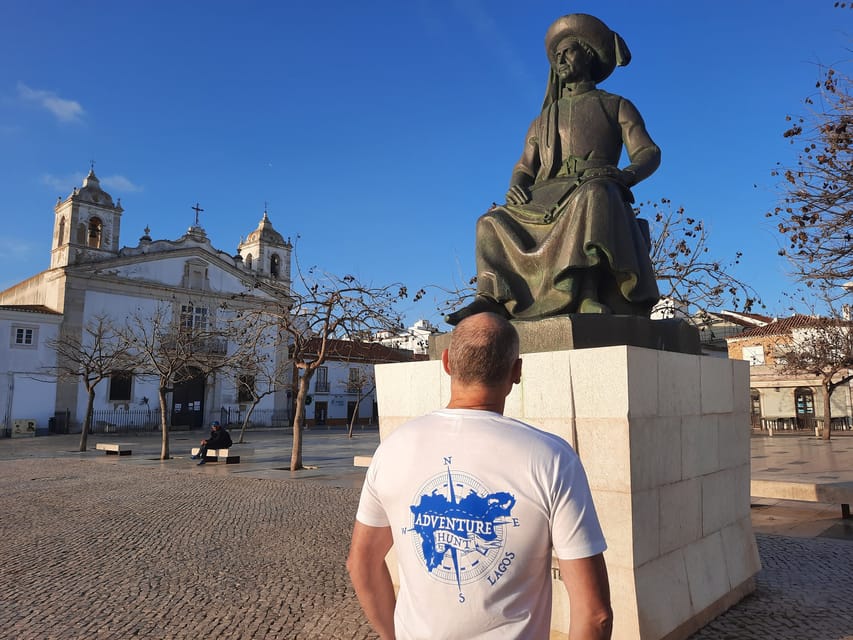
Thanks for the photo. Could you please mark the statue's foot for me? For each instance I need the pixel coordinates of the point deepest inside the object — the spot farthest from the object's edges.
(588, 305)
(481, 304)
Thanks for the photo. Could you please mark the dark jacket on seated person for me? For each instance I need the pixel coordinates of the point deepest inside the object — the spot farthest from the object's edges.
(219, 439)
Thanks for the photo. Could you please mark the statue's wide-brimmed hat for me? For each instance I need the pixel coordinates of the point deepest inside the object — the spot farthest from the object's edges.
(610, 49)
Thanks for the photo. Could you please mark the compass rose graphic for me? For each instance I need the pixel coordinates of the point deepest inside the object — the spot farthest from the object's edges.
(460, 527)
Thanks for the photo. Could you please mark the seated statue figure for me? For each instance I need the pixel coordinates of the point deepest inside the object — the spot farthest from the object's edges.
(567, 239)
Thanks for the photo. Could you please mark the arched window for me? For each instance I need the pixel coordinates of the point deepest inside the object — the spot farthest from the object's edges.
(274, 263)
(61, 237)
(804, 403)
(95, 229)
(755, 402)
(248, 260)
(755, 408)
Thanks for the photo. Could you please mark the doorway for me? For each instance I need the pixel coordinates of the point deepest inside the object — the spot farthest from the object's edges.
(321, 413)
(188, 402)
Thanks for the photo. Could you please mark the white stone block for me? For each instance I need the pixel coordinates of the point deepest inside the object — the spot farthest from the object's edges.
(740, 386)
(679, 384)
(719, 497)
(603, 447)
(706, 571)
(614, 514)
(655, 452)
(623, 595)
(680, 514)
(546, 385)
(735, 433)
(742, 559)
(663, 595)
(599, 383)
(699, 446)
(716, 383)
(643, 390)
(645, 526)
(408, 389)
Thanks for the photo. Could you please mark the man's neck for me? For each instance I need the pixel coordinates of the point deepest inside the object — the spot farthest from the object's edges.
(577, 88)
(480, 398)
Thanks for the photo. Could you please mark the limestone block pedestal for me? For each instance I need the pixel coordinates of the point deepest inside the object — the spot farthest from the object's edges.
(664, 438)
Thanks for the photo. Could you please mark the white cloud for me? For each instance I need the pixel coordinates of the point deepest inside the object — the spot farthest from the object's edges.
(64, 110)
(119, 183)
(63, 184)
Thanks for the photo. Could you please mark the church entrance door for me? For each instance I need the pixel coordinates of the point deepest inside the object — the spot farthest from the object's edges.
(188, 402)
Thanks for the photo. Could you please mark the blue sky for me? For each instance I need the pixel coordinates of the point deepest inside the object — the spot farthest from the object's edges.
(379, 131)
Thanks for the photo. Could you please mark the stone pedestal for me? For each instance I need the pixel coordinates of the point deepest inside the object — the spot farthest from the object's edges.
(664, 438)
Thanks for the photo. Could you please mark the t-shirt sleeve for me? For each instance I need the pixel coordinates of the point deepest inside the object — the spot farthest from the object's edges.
(370, 509)
(575, 530)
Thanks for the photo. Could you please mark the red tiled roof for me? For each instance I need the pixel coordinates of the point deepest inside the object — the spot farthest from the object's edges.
(784, 326)
(29, 308)
(350, 350)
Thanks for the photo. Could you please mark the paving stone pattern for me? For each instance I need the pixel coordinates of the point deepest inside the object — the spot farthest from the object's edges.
(94, 550)
(98, 549)
(804, 591)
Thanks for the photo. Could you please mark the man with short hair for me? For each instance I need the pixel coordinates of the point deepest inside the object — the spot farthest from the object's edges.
(475, 504)
(219, 439)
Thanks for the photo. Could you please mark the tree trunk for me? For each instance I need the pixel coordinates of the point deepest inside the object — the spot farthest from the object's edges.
(827, 414)
(164, 424)
(354, 416)
(87, 421)
(246, 421)
(301, 394)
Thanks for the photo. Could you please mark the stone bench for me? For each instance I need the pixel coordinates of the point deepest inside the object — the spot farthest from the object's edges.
(228, 456)
(114, 448)
(823, 492)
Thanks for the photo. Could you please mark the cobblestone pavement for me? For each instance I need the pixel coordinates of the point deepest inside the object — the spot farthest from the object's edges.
(111, 548)
(803, 592)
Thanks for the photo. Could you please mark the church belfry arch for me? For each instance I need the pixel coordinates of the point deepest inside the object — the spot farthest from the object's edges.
(87, 224)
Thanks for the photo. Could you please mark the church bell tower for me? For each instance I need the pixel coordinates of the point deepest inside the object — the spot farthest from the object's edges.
(86, 225)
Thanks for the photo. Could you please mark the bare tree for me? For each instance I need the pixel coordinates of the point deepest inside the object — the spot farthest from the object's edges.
(816, 212)
(89, 359)
(320, 309)
(823, 348)
(686, 272)
(263, 369)
(173, 350)
(362, 384)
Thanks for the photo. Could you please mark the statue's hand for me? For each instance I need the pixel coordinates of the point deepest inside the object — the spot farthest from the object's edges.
(628, 177)
(517, 194)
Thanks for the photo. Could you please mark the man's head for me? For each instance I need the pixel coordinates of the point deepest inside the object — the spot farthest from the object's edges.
(483, 352)
(608, 49)
(572, 60)
(215, 425)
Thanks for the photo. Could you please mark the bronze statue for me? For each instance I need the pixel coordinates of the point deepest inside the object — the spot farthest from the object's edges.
(567, 240)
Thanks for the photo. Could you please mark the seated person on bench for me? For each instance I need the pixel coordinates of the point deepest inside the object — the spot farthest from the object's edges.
(218, 439)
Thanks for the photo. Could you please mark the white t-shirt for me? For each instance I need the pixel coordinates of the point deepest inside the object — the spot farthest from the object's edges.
(476, 502)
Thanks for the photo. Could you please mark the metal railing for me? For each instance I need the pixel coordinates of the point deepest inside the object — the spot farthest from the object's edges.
(120, 421)
(801, 423)
(260, 417)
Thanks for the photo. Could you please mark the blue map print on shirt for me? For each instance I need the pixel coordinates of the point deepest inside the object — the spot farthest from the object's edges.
(465, 526)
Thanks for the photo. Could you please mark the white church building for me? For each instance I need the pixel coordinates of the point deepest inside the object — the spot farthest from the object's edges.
(92, 275)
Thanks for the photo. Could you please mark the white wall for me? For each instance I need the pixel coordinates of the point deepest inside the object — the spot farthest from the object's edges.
(27, 385)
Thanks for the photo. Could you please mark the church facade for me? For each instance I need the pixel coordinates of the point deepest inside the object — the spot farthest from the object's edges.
(91, 275)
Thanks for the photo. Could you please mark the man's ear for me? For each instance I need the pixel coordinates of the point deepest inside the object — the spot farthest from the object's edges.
(445, 361)
(516, 371)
